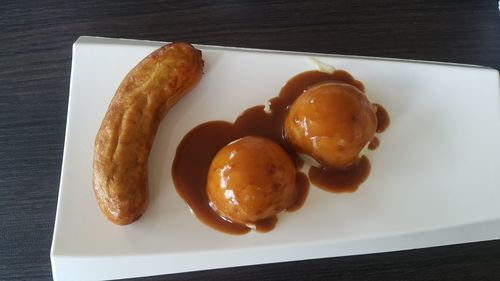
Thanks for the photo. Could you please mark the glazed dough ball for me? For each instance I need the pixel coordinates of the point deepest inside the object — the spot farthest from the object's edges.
(251, 179)
(331, 123)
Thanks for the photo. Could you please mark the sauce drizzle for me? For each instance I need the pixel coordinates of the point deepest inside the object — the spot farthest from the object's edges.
(341, 180)
(198, 147)
(374, 143)
(383, 119)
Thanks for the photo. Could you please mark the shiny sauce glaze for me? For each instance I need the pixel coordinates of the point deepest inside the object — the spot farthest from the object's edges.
(341, 180)
(199, 146)
(383, 119)
(374, 143)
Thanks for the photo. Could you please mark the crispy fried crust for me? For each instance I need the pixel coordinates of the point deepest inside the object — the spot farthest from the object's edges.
(124, 140)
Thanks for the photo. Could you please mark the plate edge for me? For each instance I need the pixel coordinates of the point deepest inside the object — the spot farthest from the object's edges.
(84, 39)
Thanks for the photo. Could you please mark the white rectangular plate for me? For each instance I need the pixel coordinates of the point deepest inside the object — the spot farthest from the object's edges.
(435, 178)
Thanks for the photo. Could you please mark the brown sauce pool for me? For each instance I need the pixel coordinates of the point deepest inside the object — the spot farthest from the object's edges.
(196, 150)
(374, 143)
(302, 183)
(383, 119)
(341, 180)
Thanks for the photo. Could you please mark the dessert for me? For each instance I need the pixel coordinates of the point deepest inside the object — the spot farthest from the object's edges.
(127, 132)
(251, 179)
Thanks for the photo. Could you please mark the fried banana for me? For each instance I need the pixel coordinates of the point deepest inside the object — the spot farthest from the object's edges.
(124, 140)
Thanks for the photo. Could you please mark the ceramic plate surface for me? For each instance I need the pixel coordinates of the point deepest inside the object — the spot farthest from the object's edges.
(435, 178)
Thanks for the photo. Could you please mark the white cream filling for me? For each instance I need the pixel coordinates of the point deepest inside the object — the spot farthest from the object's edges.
(321, 66)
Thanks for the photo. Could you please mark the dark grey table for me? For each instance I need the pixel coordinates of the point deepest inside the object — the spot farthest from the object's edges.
(35, 61)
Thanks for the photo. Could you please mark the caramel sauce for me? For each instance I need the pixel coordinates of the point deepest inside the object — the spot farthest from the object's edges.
(190, 171)
(302, 183)
(341, 180)
(374, 143)
(196, 150)
(266, 225)
(383, 119)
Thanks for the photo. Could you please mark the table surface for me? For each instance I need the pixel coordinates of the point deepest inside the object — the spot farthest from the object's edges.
(35, 58)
